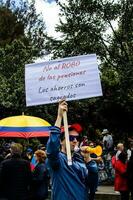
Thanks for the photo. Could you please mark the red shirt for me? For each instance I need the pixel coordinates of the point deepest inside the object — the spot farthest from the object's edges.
(120, 175)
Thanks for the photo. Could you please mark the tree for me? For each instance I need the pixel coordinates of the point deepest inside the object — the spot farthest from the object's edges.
(22, 38)
(119, 88)
(84, 26)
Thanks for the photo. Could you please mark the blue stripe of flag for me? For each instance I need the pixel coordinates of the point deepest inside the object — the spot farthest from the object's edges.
(25, 129)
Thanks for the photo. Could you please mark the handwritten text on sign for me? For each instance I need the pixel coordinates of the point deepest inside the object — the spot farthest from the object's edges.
(71, 78)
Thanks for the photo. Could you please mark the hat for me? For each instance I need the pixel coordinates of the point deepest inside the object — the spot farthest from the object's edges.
(105, 131)
(29, 150)
(77, 127)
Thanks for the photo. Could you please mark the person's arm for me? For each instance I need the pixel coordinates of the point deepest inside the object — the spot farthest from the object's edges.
(61, 109)
(53, 144)
(97, 159)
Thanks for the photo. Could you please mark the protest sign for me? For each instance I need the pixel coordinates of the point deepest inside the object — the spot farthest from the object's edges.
(70, 78)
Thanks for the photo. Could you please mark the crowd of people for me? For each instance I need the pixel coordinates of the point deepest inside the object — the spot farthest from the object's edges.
(28, 175)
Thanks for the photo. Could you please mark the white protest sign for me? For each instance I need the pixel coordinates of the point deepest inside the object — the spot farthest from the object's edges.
(71, 78)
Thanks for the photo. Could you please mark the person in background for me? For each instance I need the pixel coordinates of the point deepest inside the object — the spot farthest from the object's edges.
(28, 154)
(34, 162)
(41, 147)
(68, 181)
(15, 175)
(129, 150)
(120, 148)
(92, 180)
(130, 139)
(121, 181)
(117, 150)
(40, 177)
(102, 175)
(7, 148)
(130, 174)
(84, 142)
(107, 140)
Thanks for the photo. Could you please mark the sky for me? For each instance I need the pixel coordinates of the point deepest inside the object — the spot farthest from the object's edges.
(50, 11)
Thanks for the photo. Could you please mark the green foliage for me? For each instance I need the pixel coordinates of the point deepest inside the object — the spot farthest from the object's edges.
(22, 38)
(84, 26)
(12, 61)
(120, 89)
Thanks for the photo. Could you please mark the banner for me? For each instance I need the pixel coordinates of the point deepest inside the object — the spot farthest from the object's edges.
(71, 78)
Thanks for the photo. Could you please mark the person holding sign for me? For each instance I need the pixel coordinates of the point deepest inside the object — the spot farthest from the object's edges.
(68, 181)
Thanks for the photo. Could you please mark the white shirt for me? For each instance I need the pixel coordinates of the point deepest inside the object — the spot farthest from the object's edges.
(109, 140)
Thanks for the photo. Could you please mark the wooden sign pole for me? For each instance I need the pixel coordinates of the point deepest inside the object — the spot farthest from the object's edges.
(68, 150)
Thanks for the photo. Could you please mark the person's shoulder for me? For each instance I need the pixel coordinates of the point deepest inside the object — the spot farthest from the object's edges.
(22, 160)
(6, 161)
(92, 163)
(40, 166)
(110, 136)
(55, 128)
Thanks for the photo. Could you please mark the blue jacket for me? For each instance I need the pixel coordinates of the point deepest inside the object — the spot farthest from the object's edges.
(92, 180)
(68, 182)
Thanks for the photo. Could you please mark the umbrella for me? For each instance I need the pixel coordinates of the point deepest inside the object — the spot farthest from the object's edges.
(24, 127)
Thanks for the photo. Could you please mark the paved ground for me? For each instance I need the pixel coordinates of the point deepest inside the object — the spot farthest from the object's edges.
(106, 189)
(105, 193)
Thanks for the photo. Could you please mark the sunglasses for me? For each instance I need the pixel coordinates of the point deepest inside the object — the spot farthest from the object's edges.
(73, 137)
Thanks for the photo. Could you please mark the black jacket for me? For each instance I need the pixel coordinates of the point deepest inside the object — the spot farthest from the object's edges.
(15, 179)
(40, 180)
(130, 173)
